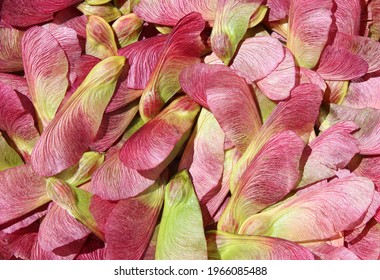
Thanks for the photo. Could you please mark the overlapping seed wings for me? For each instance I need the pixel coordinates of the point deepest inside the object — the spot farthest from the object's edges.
(221, 129)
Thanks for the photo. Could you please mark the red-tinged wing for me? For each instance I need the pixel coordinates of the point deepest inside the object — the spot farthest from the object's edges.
(203, 157)
(363, 93)
(21, 191)
(24, 245)
(280, 82)
(10, 49)
(298, 113)
(366, 119)
(100, 39)
(278, 9)
(107, 11)
(150, 252)
(326, 251)
(101, 209)
(278, 160)
(364, 241)
(16, 121)
(329, 152)
(93, 249)
(123, 96)
(142, 58)
(228, 97)
(71, 17)
(216, 205)
(368, 167)
(317, 214)
(25, 13)
(375, 26)
(128, 232)
(115, 181)
(46, 71)
(156, 144)
(339, 64)
(309, 27)
(76, 201)
(171, 11)
(182, 48)
(74, 128)
(225, 246)
(16, 83)
(257, 57)
(68, 40)
(25, 221)
(59, 229)
(127, 29)
(194, 81)
(113, 126)
(347, 16)
(308, 76)
(367, 48)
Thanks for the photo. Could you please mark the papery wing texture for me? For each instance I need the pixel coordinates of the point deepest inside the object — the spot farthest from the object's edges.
(142, 57)
(21, 191)
(67, 38)
(16, 82)
(227, 246)
(375, 26)
(257, 57)
(113, 126)
(326, 251)
(329, 152)
(366, 119)
(347, 16)
(165, 134)
(278, 9)
(278, 160)
(127, 29)
(127, 231)
(74, 200)
(83, 171)
(364, 241)
(301, 217)
(100, 40)
(10, 49)
(107, 11)
(203, 157)
(182, 48)
(339, 64)
(279, 83)
(25, 13)
(228, 97)
(115, 181)
(309, 25)
(231, 23)
(181, 234)
(72, 131)
(367, 48)
(17, 121)
(46, 71)
(363, 93)
(171, 11)
(59, 228)
(298, 114)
